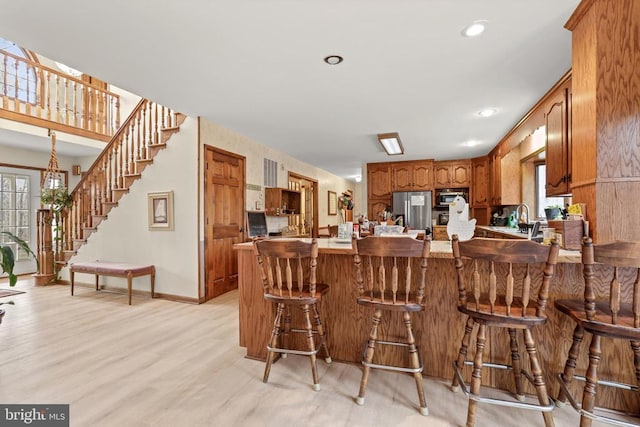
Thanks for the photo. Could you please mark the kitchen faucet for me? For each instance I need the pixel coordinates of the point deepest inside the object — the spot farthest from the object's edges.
(522, 216)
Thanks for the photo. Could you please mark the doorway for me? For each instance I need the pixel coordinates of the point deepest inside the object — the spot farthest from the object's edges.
(306, 223)
(224, 184)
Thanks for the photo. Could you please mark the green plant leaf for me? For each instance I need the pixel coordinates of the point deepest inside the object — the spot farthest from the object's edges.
(24, 245)
(8, 262)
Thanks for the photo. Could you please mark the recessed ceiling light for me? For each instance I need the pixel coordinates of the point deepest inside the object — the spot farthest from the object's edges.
(474, 29)
(333, 59)
(487, 112)
(471, 143)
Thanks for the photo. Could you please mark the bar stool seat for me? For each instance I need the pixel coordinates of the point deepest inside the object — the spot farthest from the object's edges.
(610, 312)
(496, 289)
(288, 272)
(389, 279)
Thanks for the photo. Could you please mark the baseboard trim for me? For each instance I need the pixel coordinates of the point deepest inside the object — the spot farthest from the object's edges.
(137, 292)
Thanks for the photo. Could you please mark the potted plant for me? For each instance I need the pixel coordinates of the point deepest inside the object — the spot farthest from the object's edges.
(57, 198)
(7, 257)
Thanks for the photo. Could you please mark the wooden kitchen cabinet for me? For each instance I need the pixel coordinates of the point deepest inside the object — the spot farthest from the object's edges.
(376, 207)
(452, 174)
(379, 181)
(495, 178)
(505, 178)
(412, 176)
(511, 178)
(276, 200)
(480, 182)
(558, 144)
(440, 232)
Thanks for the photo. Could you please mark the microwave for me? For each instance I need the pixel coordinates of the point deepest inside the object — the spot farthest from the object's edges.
(445, 197)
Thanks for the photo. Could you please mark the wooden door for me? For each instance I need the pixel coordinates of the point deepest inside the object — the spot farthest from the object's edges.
(224, 219)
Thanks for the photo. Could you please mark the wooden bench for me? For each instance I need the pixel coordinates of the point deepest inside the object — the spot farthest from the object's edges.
(114, 269)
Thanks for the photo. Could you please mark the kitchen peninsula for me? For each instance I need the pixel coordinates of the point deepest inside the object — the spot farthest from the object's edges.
(438, 331)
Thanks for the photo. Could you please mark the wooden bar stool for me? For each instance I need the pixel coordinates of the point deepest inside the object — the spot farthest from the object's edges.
(388, 282)
(288, 272)
(611, 311)
(488, 284)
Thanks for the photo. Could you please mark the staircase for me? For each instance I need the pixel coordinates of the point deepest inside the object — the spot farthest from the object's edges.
(132, 148)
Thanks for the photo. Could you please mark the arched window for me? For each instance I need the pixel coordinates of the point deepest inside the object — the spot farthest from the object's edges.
(17, 75)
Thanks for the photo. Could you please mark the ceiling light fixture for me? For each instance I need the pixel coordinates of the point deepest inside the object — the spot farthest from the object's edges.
(474, 29)
(333, 59)
(391, 143)
(487, 112)
(471, 143)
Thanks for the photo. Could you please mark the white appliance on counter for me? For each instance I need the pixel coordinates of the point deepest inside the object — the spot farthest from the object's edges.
(414, 207)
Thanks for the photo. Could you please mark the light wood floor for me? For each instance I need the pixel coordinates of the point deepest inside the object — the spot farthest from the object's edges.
(161, 363)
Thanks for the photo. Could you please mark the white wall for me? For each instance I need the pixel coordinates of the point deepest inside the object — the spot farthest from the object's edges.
(255, 153)
(125, 236)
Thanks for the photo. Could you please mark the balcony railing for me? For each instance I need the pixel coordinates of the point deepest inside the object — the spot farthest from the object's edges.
(35, 94)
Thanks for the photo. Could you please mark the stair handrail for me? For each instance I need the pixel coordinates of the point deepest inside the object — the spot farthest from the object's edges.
(120, 163)
(111, 142)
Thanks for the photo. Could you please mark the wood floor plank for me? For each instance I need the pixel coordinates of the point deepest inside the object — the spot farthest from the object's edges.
(163, 363)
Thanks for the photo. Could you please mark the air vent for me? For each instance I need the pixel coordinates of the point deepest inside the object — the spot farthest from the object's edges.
(270, 173)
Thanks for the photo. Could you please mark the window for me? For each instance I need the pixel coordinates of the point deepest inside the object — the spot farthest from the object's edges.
(542, 201)
(14, 209)
(17, 77)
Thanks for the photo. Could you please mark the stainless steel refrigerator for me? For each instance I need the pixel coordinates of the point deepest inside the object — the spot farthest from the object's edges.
(415, 208)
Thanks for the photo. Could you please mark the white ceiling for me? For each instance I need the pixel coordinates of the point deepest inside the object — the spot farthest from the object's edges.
(257, 67)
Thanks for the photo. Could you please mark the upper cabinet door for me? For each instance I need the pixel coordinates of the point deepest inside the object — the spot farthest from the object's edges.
(379, 181)
(480, 182)
(422, 180)
(412, 176)
(402, 177)
(557, 146)
(442, 175)
(452, 174)
(460, 174)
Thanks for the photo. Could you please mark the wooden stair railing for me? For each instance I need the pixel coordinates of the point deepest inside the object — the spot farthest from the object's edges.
(132, 148)
(38, 95)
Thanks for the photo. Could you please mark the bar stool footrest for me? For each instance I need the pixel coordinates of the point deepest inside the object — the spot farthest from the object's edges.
(292, 351)
(578, 408)
(391, 367)
(500, 402)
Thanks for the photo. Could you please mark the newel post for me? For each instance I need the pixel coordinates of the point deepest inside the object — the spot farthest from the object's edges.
(44, 248)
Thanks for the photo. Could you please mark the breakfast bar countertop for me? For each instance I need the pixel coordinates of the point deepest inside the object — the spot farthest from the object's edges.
(439, 248)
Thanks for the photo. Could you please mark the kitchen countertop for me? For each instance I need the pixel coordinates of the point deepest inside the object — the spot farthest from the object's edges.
(439, 248)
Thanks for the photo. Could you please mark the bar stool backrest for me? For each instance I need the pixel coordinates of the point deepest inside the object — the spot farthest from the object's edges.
(501, 275)
(286, 266)
(623, 287)
(385, 273)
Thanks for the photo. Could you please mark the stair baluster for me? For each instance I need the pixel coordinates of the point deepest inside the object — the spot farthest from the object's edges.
(131, 148)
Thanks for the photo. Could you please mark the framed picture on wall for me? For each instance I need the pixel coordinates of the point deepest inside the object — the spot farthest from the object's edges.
(160, 210)
(333, 203)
